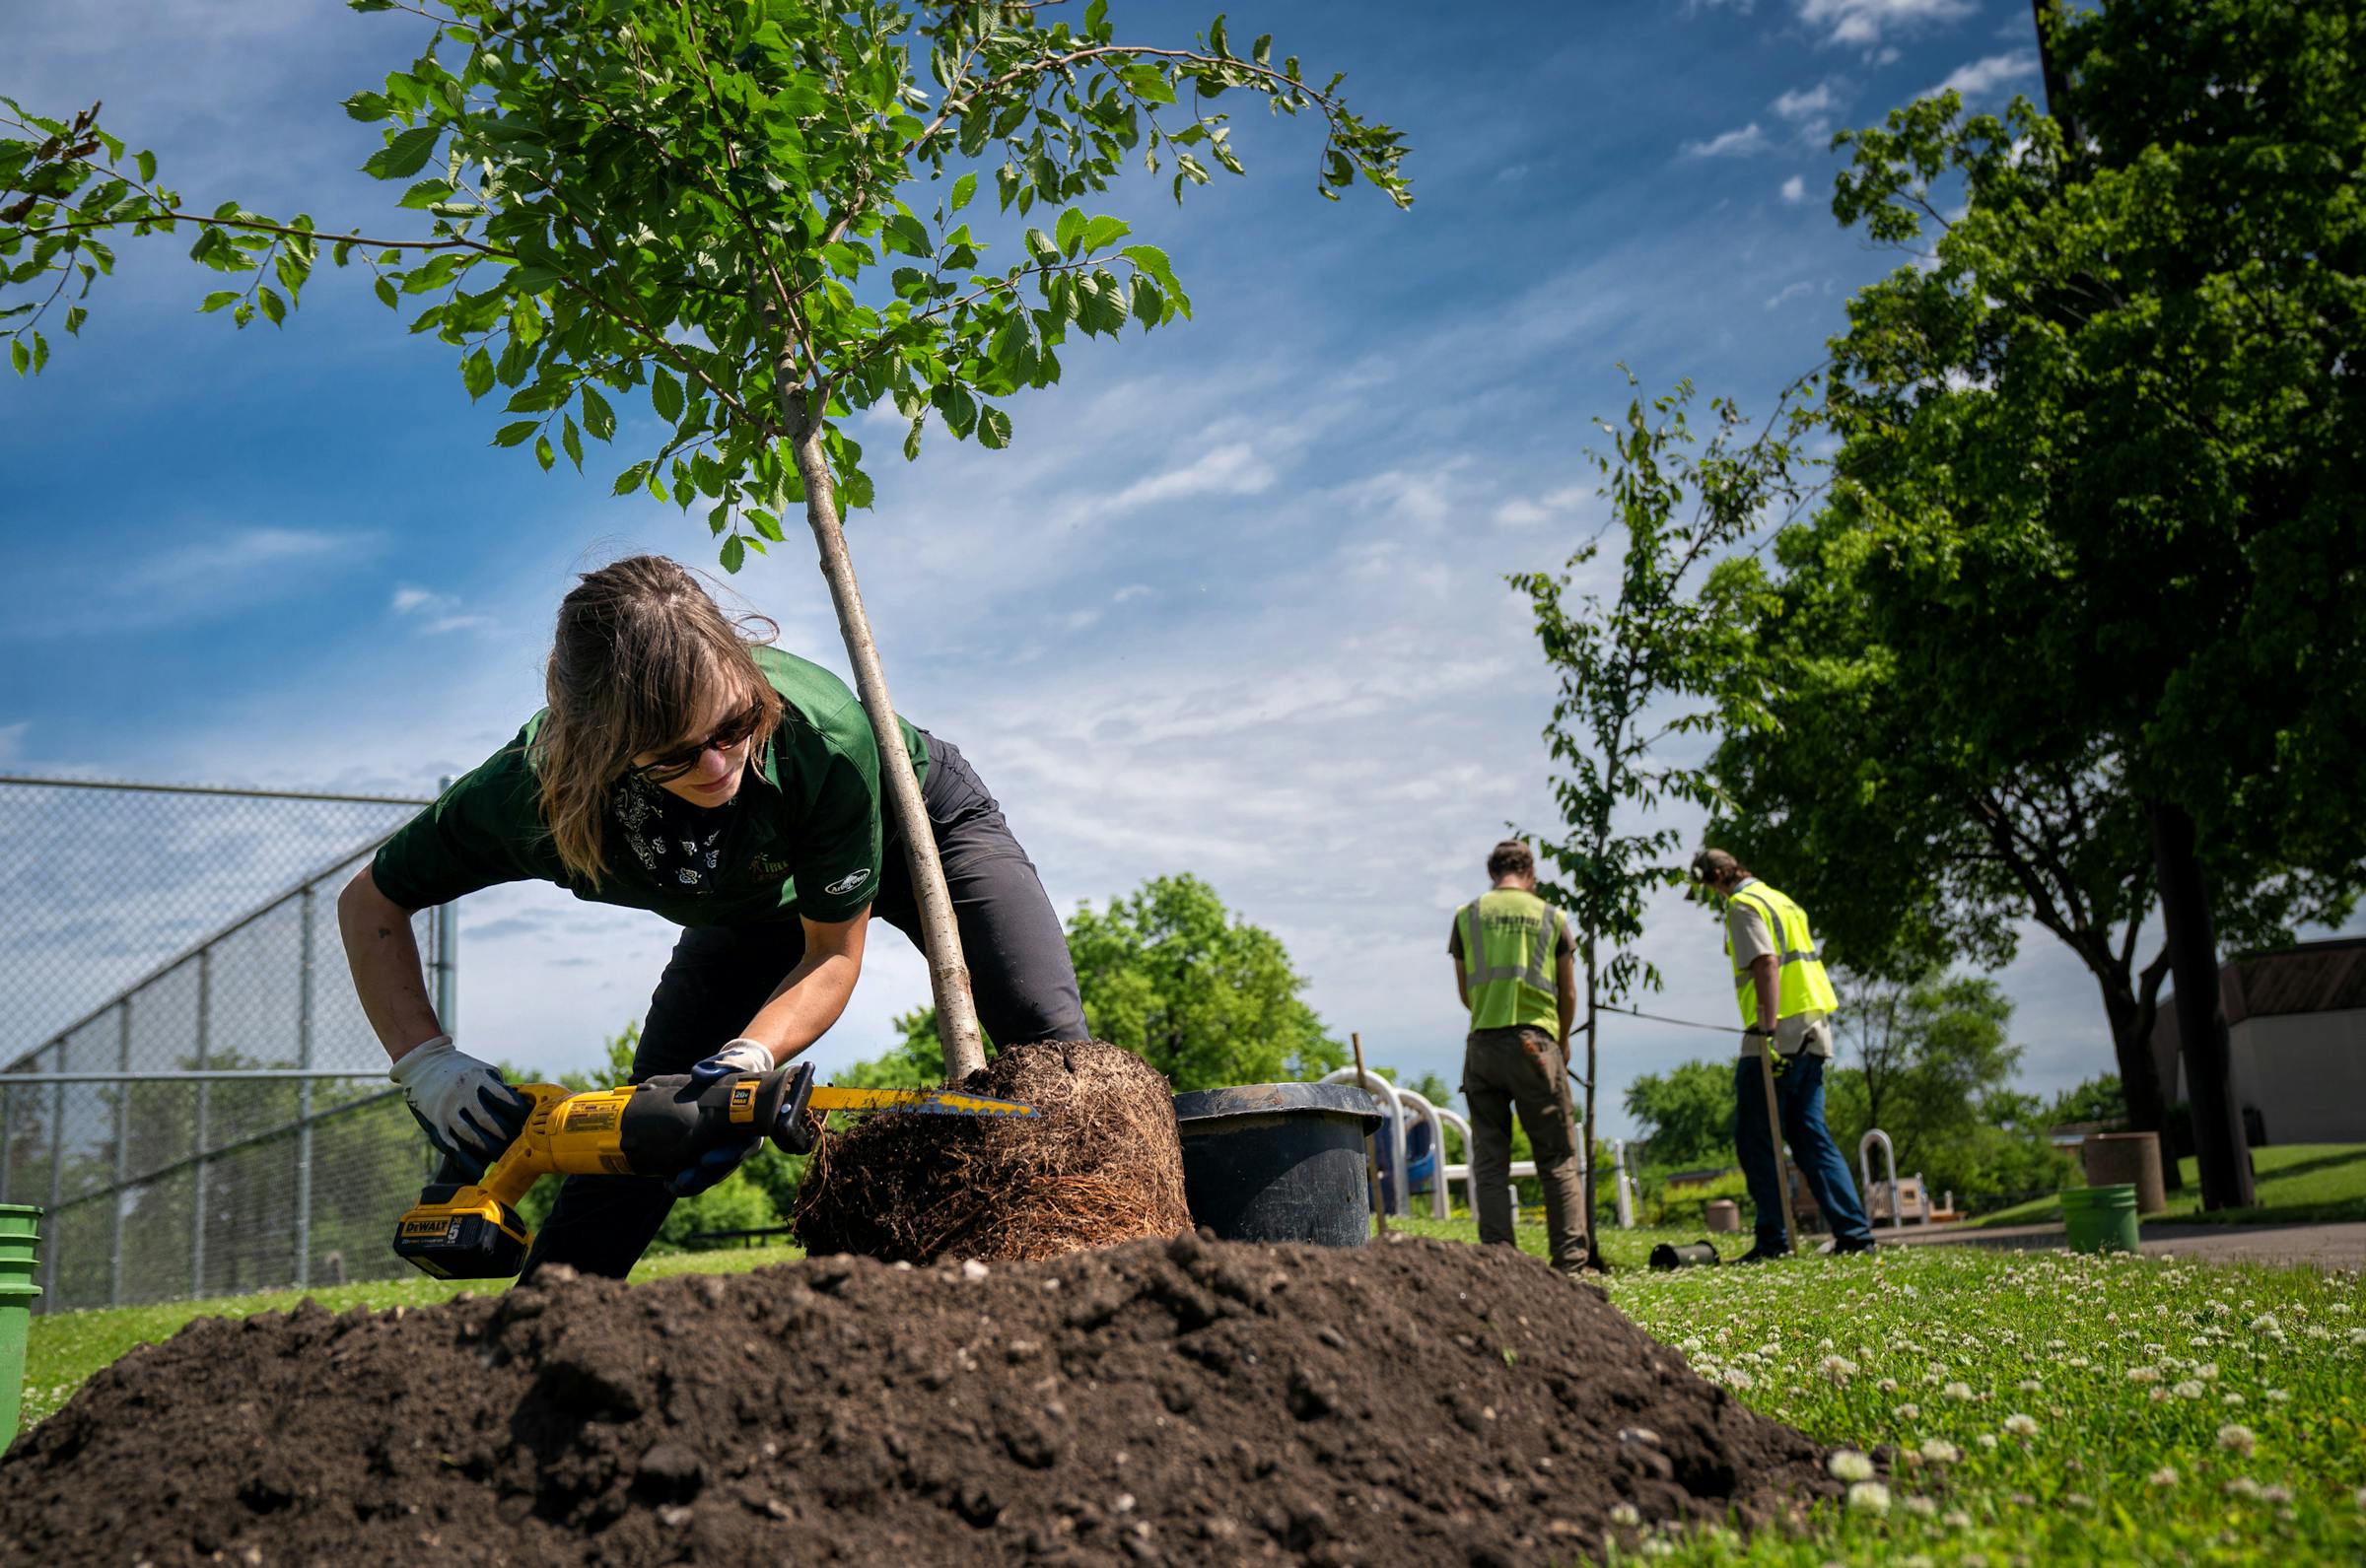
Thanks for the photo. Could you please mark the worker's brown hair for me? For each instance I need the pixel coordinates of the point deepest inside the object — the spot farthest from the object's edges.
(1511, 857)
(639, 652)
(1714, 865)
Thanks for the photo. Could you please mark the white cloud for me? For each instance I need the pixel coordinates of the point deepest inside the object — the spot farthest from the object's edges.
(1732, 144)
(1807, 103)
(1982, 77)
(1232, 469)
(1794, 189)
(1869, 22)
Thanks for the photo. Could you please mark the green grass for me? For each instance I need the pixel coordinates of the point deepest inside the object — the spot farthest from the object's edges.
(2083, 1398)
(64, 1348)
(2125, 1369)
(2297, 1184)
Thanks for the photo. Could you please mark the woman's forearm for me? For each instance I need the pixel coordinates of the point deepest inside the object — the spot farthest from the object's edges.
(383, 957)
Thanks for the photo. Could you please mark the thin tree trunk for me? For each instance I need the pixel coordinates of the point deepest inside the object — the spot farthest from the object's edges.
(2219, 1148)
(949, 976)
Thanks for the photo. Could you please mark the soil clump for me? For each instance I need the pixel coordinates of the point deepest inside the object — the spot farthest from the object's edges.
(1100, 1162)
(1179, 1401)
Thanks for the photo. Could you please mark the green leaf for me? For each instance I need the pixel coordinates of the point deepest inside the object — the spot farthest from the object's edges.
(665, 395)
(735, 553)
(964, 188)
(512, 434)
(404, 154)
(217, 300)
(599, 420)
(993, 428)
(476, 373)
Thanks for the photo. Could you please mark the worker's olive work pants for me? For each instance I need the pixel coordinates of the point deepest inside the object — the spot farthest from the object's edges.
(720, 976)
(1799, 1103)
(1520, 1070)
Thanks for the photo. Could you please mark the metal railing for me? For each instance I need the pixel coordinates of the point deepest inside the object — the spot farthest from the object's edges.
(216, 1117)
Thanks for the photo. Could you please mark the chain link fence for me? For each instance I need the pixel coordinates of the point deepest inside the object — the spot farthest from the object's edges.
(190, 1088)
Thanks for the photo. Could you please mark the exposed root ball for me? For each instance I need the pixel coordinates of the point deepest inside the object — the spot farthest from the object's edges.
(1100, 1162)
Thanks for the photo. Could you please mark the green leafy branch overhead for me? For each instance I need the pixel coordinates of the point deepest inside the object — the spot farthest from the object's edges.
(758, 213)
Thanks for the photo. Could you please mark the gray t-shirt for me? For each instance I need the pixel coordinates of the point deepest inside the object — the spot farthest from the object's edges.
(1809, 1031)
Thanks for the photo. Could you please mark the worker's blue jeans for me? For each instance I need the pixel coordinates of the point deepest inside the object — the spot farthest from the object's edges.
(1799, 1099)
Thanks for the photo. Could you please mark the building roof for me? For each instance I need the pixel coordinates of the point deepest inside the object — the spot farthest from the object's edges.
(2306, 978)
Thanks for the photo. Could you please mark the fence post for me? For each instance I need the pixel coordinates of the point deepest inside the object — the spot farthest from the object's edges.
(57, 1183)
(204, 1121)
(447, 949)
(115, 1218)
(303, 1095)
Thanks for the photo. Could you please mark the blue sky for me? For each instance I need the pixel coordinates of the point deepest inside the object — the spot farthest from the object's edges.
(1231, 604)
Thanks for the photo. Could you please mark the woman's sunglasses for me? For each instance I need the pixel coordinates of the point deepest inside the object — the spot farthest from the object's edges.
(681, 761)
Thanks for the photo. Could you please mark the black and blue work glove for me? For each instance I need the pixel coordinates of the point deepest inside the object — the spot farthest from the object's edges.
(462, 1105)
(712, 1167)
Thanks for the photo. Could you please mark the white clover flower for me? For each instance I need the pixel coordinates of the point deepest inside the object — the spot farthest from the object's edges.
(2239, 1439)
(1957, 1391)
(1872, 1496)
(1939, 1451)
(2166, 1476)
(2021, 1425)
(1625, 1514)
(1848, 1464)
(2187, 1389)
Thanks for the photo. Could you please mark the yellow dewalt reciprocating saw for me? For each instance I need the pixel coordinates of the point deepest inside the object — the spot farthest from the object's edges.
(470, 1230)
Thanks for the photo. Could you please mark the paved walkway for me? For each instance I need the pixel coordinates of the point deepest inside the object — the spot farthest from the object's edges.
(2340, 1245)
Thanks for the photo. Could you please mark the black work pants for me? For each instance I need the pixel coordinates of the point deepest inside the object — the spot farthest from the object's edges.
(721, 976)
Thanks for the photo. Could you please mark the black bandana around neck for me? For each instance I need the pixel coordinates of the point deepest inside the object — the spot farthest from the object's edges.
(676, 841)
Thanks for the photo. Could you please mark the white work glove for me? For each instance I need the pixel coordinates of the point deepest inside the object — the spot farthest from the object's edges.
(740, 1055)
(468, 1112)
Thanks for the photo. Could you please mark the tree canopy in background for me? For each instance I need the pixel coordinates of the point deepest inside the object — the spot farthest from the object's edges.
(1172, 976)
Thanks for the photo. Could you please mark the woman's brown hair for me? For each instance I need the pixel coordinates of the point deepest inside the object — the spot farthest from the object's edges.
(639, 650)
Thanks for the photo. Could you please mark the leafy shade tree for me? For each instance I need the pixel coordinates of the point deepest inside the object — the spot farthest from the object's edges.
(2105, 448)
(1686, 1114)
(757, 212)
(1642, 670)
(1172, 976)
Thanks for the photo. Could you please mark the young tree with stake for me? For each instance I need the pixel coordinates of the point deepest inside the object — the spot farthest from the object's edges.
(757, 212)
(1630, 672)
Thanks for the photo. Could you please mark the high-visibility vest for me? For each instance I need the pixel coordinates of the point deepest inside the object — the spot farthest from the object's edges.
(1511, 940)
(1801, 986)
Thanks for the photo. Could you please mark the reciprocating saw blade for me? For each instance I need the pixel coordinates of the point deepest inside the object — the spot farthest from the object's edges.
(915, 1102)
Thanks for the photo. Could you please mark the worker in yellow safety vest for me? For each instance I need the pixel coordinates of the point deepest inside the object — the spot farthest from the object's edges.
(1516, 970)
(1786, 1002)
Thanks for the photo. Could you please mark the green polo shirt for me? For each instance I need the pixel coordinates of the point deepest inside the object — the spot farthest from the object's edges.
(805, 837)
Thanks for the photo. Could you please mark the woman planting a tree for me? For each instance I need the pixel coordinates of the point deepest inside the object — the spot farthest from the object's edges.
(731, 789)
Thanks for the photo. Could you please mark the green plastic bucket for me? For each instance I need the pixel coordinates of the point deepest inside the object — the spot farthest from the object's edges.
(2101, 1219)
(20, 1238)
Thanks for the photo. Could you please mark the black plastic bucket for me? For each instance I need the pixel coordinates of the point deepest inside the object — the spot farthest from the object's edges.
(1279, 1162)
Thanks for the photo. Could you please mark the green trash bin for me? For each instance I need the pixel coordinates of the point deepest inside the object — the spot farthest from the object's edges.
(2101, 1219)
(19, 1243)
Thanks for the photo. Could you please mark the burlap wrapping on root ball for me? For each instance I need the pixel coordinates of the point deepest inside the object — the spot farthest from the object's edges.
(1100, 1162)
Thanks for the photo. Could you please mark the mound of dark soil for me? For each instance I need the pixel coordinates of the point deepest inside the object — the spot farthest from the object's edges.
(1100, 1162)
(1415, 1402)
